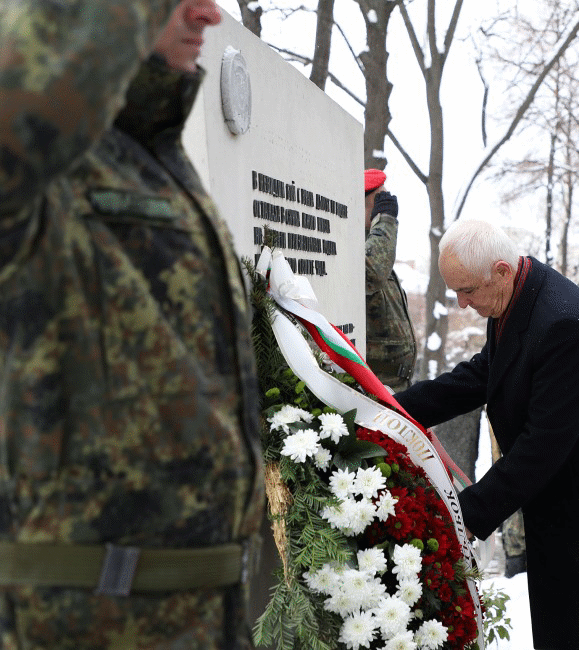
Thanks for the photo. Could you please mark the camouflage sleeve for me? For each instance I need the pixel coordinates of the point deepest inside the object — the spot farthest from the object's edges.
(380, 252)
(64, 69)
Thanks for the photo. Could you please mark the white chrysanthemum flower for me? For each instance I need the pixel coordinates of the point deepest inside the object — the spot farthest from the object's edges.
(342, 483)
(410, 590)
(300, 445)
(327, 580)
(341, 515)
(431, 635)
(385, 505)
(392, 615)
(369, 482)
(287, 415)
(362, 590)
(362, 515)
(358, 630)
(372, 560)
(350, 516)
(341, 603)
(408, 561)
(333, 426)
(306, 416)
(401, 641)
(376, 591)
(322, 459)
(355, 577)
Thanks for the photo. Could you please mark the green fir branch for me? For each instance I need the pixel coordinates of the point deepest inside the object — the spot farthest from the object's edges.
(274, 624)
(295, 617)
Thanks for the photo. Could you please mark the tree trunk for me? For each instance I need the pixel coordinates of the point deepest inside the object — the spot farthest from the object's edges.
(434, 361)
(251, 18)
(377, 114)
(321, 59)
(549, 202)
(568, 180)
(566, 224)
(460, 437)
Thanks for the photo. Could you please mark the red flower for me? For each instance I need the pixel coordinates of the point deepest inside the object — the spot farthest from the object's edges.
(421, 518)
(445, 592)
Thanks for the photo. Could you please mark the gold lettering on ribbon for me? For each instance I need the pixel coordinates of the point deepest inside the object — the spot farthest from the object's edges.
(414, 440)
(454, 505)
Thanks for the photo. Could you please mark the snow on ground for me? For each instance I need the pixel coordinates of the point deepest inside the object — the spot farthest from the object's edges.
(517, 610)
(516, 587)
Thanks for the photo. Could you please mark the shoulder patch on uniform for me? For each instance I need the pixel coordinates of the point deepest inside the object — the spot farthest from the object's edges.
(123, 203)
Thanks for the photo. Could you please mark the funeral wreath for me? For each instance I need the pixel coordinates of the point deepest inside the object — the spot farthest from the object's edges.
(370, 557)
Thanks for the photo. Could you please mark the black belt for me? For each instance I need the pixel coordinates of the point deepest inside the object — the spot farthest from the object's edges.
(116, 570)
(402, 370)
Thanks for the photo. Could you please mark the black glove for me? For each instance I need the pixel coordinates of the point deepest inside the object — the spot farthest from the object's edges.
(385, 203)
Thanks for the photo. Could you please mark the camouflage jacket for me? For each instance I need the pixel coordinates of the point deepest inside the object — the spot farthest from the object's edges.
(128, 400)
(390, 340)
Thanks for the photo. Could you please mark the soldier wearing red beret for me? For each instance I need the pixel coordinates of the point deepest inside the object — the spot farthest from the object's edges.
(390, 338)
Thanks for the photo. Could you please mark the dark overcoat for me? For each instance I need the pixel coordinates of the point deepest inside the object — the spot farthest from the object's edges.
(528, 379)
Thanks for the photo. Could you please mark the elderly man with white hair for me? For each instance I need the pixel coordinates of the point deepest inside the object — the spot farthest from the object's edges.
(527, 375)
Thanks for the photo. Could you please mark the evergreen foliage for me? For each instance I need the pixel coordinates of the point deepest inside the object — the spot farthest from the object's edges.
(295, 618)
(292, 617)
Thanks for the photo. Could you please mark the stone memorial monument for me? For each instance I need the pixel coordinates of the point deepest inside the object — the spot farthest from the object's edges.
(273, 149)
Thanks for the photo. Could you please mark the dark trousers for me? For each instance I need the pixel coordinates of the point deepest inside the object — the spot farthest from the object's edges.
(553, 577)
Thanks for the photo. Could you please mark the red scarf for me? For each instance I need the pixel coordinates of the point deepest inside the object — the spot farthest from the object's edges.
(525, 265)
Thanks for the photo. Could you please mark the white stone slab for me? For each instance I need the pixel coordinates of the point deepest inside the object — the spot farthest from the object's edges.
(294, 157)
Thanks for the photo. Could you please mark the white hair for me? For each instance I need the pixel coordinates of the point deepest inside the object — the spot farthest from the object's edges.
(478, 245)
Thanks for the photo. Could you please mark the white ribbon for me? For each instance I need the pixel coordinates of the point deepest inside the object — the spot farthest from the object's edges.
(283, 283)
(294, 293)
(371, 415)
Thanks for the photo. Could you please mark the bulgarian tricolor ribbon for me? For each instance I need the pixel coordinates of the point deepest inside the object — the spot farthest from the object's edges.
(296, 297)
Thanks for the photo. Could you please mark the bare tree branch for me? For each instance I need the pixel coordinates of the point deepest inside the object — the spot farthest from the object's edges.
(286, 12)
(292, 56)
(421, 175)
(306, 60)
(483, 117)
(451, 28)
(341, 86)
(413, 39)
(567, 40)
(349, 46)
(431, 30)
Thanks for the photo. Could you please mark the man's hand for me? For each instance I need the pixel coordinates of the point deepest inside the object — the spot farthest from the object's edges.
(385, 203)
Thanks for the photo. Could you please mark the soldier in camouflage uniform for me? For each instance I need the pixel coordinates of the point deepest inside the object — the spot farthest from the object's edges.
(512, 529)
(390, 339)
(513, 537)
(128, 393)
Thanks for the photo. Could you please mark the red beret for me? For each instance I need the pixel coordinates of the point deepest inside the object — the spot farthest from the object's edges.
(373, 178)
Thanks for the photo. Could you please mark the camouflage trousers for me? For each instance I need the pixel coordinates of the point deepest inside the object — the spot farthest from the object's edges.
(513, 533)
(397, 384)
(394, 374)
(75, 619)
(513, 529)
